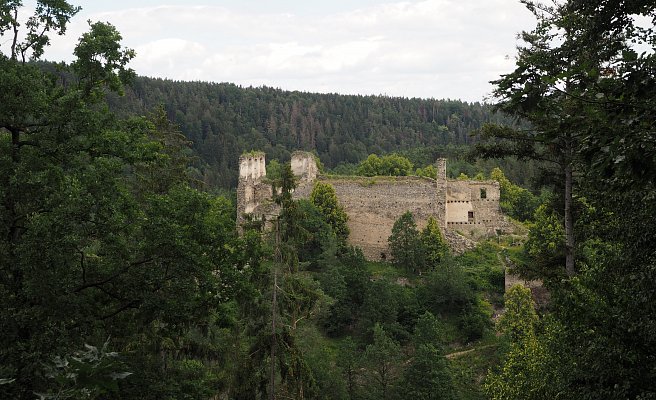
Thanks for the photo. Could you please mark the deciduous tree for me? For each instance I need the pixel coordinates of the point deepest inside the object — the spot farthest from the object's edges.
(388, 165)
(90, 246)
(527, 370)
(580, 80)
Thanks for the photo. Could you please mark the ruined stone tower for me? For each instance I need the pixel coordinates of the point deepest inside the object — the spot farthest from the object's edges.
(304, 166)
(473, 207)
(252, 191)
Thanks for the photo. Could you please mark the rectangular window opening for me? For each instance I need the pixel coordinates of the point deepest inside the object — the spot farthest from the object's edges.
(483, 193)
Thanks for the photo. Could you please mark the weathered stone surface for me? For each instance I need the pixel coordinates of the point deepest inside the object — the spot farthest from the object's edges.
(373, 204)
(304, 166)
(457, 242)
(252, 191)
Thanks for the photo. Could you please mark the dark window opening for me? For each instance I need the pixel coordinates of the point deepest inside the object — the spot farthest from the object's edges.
(470, 215)
(483, 193)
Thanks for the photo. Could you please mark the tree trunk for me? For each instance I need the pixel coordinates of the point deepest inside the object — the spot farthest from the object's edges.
(272, 394)
(569, 224)
(274, 302)
(10, 200)
(14, 55)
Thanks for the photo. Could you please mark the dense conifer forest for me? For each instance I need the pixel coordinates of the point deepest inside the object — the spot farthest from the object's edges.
(223, 120)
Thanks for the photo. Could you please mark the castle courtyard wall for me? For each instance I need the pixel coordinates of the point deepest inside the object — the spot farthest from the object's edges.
(374, 204)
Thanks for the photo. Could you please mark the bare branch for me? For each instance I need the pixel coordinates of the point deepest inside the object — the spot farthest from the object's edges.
(15, 39)
(112, 277)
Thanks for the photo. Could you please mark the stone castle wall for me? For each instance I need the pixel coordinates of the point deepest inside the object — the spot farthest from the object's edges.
(473, 206)
(373, 204)
(463, 209)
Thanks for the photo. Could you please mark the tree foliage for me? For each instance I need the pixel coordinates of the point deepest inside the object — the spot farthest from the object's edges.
(223, 120)
(100, 59)
(349, 362)
(528, 371)
(324, 198)
(299, 295)
(428, 375)
(382, 361)
(49, 17)
(404, 242)
(433, 246)
(585, 70)
(520, 319)
(514, 200)
(446, 290)
(101, 235)
(414, 250)
(388, 165)
(545, 245)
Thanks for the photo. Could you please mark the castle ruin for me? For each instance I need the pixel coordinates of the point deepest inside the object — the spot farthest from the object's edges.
(465, 210)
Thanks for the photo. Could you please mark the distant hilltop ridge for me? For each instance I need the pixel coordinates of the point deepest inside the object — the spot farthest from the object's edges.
(221, 120)
(465, 210)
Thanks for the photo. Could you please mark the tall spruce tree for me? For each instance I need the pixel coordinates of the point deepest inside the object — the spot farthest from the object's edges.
(433, 246)
(294, 296)
(427, 376)
(584, 73)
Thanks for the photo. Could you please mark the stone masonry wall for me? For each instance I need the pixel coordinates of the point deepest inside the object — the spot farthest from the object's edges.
(440, 193)
(464, 209)
(373, 204)
(304, 166)
(473, 207)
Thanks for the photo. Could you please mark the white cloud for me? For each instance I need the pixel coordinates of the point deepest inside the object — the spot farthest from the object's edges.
(430, 48)
(170, 57)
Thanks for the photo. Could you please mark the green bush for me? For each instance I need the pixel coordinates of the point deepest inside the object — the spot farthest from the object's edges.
(475, 321)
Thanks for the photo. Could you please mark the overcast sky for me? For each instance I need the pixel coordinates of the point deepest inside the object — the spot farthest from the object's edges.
(424, 48)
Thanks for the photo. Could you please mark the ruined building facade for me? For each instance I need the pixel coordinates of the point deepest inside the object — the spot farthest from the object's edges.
(465, 210)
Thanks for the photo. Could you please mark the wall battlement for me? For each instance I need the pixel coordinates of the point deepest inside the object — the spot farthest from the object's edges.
(465, 210)
(252, 166)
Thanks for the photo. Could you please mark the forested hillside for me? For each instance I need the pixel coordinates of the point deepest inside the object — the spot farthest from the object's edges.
(223, 120)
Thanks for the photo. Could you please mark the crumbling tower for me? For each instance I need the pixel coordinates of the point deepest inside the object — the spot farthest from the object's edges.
(251, 189)
(304, 166)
